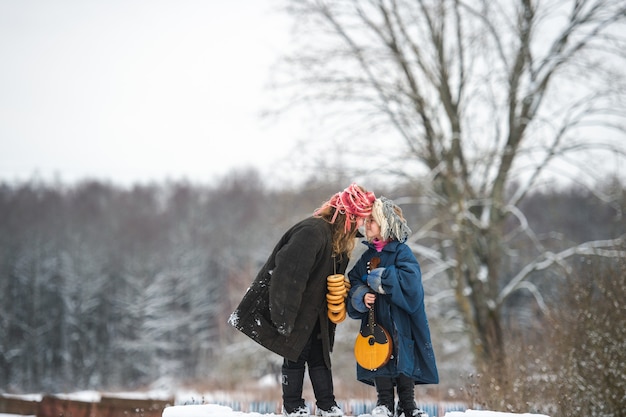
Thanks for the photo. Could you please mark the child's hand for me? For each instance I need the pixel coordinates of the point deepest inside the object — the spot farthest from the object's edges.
(369, 299)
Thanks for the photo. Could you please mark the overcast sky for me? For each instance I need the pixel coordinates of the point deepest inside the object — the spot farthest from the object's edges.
(138, 90)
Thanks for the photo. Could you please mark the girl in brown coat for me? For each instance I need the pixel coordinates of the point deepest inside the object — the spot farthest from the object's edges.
(285, 308)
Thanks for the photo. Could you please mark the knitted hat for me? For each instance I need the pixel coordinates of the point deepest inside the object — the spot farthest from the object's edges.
(392, 224)
(354, 201)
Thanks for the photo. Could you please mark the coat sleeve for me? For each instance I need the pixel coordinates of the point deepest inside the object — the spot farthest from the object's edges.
(402, 281)
(355, 305)
(290, 276)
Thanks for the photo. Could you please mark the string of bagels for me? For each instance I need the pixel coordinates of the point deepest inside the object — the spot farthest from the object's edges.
(338, 287)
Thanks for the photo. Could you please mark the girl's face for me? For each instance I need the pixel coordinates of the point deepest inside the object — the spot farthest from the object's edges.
(372, 229)
(360, 221)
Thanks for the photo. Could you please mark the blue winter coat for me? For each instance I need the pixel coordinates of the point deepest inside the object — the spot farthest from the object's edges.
(400, 311)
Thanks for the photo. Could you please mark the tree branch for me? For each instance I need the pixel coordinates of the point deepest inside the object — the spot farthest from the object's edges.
(605, 248)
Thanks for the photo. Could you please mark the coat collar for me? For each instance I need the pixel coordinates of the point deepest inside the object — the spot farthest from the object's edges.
(389, 247)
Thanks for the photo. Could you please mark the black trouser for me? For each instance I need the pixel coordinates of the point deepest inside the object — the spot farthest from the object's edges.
(321, 377)
(405, 387)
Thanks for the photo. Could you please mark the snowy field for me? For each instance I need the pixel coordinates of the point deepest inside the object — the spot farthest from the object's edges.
(214, 410)
(208, 410)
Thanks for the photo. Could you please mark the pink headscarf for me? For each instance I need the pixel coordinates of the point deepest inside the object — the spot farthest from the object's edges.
(353, 201)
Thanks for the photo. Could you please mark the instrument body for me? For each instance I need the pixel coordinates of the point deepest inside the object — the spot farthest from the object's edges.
(373, 346)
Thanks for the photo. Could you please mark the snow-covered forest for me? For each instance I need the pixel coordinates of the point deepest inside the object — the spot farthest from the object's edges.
(109, 288)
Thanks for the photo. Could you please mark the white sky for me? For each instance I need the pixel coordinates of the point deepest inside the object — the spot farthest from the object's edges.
(146, 90)
(139, 90)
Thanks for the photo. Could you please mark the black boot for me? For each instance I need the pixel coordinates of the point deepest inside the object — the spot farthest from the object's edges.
(293, 381)
(322, 382)
(406, 396)
(384, 390)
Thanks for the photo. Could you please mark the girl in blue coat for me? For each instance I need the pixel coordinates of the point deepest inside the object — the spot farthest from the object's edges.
(394, 290)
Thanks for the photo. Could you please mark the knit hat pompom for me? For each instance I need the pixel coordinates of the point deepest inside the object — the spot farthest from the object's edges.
(389, 217)
(354, 202)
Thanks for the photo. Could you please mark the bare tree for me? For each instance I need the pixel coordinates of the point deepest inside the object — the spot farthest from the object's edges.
(487, 99)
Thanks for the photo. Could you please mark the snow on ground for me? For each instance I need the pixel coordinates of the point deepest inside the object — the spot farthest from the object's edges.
(214, 410)
(14, 415)
(211, 410)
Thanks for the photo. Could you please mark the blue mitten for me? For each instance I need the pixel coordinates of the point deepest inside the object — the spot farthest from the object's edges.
(374, 280)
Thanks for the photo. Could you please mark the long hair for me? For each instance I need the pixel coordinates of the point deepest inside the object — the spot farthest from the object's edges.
(343, 242)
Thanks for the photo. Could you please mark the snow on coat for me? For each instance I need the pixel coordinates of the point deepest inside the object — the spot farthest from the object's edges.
(280, 309)
(400, 310)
